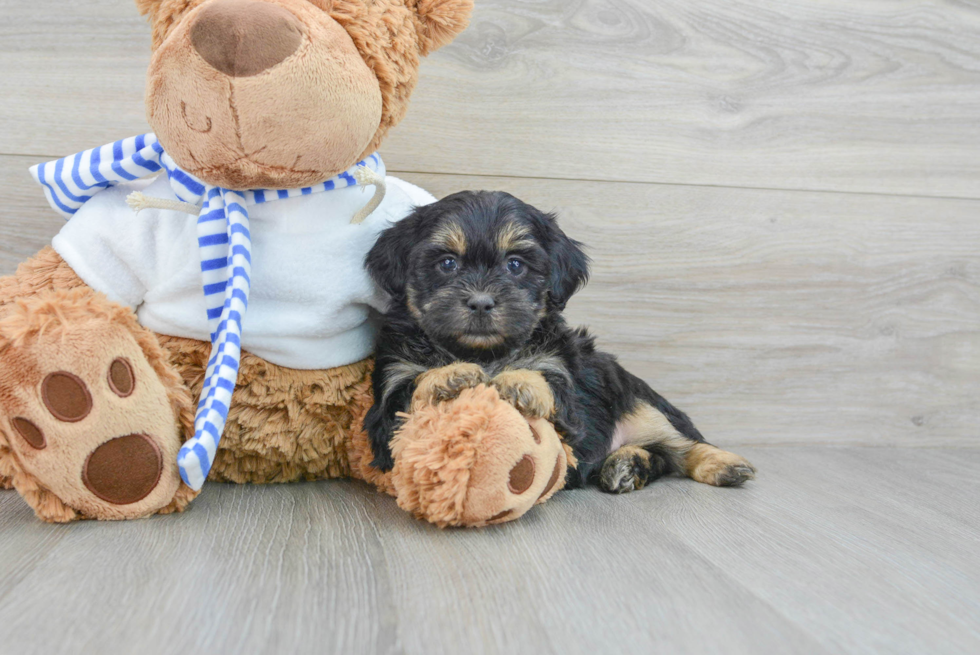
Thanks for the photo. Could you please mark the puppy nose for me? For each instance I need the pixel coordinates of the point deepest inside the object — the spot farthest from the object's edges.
(480, 303)
(241, 38)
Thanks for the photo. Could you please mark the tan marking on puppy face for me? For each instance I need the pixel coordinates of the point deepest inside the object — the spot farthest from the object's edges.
(710, 465)
(513, 236)
(481, 341)
(410, 301)
(451, 237)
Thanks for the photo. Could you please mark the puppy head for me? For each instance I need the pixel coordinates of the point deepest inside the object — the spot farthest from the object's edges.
(478, 270)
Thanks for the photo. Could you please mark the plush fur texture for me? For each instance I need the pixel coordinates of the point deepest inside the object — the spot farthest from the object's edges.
(284, 424)
(479, 281)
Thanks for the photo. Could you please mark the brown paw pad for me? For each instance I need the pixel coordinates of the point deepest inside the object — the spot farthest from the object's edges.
(521, 476)
(553, 480)
(29, 431)
(122, 380)
(124, 470)
(66, 396)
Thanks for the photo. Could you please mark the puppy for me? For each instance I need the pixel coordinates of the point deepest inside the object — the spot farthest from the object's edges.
(478, 282)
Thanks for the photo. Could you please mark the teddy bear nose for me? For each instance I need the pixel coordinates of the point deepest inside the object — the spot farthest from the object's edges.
(241, 38)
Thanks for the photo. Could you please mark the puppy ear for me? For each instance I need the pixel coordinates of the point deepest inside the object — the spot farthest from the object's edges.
(440, 21)
(387, 262)
(569, 264)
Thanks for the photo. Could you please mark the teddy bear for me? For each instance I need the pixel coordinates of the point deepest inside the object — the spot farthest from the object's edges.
(205, 313)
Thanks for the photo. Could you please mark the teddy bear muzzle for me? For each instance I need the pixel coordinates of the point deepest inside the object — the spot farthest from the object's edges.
(262, 94)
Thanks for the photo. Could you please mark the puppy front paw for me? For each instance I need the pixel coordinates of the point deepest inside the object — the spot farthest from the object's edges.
(527, 391)
(446, 383)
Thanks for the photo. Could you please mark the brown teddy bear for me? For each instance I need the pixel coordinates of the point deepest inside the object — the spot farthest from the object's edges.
(234, 305)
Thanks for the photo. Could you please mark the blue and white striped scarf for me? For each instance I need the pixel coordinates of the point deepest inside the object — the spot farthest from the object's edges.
(225, 248)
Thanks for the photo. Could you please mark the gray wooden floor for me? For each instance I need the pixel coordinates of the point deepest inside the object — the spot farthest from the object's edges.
(782, 202)
(832, 549)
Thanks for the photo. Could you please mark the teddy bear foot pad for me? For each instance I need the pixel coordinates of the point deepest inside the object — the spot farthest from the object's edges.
(89, 429)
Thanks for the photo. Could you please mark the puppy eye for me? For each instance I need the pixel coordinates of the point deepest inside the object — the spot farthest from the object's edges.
(515, 266)
(448, 264)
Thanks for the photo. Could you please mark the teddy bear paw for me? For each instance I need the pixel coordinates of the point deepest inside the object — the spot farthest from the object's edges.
(89, 428)
(476, 460)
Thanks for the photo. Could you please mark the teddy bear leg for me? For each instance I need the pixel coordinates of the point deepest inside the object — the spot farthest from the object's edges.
(91, 413)
(475, 460)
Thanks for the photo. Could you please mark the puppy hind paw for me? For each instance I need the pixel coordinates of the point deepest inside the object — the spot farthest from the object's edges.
(625, 470)
(717, 467)
(734, 475)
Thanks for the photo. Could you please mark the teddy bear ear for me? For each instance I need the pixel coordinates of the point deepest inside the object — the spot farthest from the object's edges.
(440, 21)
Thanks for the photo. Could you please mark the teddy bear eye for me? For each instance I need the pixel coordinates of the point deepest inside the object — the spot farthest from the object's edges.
(448, 264)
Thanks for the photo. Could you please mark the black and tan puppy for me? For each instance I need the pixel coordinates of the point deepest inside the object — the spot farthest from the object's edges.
(478, 282)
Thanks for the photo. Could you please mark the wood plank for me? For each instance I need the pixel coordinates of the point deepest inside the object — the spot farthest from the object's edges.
(831, 550)
(834, 537)
(853, 95)
(771, 317)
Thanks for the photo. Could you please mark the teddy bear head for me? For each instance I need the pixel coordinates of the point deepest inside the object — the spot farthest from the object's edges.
(248, 94)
